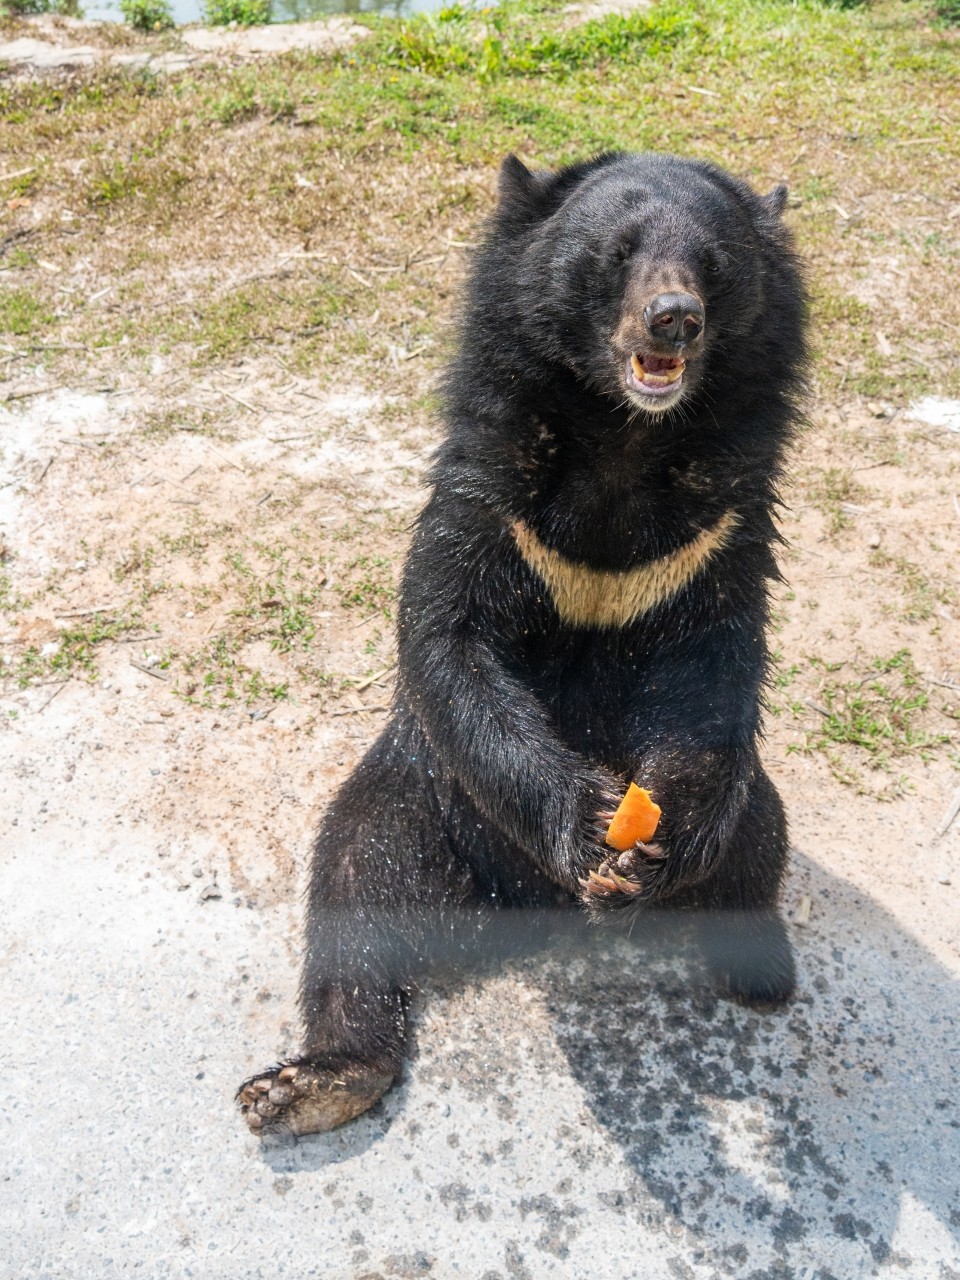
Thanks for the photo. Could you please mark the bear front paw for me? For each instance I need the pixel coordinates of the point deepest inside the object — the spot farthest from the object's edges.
(624, 877)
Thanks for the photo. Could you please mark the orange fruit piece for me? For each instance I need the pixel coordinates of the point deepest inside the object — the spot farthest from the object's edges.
(635, 820)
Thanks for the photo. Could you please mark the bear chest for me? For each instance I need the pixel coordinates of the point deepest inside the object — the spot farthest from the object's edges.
(585, 597)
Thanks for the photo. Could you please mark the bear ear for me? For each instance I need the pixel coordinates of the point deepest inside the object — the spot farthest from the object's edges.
(519, 191)
(776, 200)
(515, 184)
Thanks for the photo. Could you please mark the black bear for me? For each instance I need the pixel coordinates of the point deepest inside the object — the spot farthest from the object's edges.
(584, 604)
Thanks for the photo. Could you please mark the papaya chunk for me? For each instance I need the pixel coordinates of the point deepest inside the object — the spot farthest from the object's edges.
(635, 820)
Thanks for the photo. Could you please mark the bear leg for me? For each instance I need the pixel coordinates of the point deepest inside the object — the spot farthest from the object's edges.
(388, 902)
(743, 937)
(342, 1071)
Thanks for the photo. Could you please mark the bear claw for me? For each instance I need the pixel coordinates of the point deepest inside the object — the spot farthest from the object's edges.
(616, 876)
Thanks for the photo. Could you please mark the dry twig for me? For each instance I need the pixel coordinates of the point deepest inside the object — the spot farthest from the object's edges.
(150, 671)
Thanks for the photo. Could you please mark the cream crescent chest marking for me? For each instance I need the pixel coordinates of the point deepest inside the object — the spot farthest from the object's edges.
(585, 597)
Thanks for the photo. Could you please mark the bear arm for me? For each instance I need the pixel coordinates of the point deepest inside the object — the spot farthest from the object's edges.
(702, 790)
(498, 740)
(692, 737)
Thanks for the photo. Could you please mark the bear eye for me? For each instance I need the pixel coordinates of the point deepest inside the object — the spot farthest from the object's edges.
(624, 245)
(714, 262)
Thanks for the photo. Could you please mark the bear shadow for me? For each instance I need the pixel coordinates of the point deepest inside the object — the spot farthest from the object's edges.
(766, 1140)
(791, 1134)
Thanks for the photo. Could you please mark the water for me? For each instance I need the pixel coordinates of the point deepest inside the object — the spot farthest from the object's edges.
(281, 10)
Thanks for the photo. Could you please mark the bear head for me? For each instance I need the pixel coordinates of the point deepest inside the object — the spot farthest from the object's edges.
(651, 278)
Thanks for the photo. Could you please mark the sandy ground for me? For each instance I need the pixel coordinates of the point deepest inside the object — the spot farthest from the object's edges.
(597, 1112)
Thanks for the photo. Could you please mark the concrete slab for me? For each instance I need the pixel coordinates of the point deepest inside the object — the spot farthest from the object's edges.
(44, 56)
(30, 54)
(322, 36)
(597, 1113)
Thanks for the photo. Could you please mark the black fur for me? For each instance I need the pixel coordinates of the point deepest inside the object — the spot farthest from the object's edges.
(513, 731)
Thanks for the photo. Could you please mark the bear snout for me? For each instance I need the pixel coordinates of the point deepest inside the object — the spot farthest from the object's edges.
(665, 322)
(676, 318)
(656, 338)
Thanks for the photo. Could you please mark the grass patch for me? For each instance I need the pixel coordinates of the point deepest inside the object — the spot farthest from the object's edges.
(245, 13)
(262, 312)
(832, 491)
(369, 586)
(452, 42)
(22, 314)
(922, 595)
(73, 653)
(275, 592)
(880, 715)
(27, 8)
(375, 153)
(147, 15)
(11, 600)
(217, 676)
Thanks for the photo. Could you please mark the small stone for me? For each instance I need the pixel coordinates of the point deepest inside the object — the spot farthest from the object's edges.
(874, 540)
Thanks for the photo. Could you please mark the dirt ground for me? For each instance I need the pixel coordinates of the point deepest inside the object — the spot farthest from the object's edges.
(198, 565)
(248, 571)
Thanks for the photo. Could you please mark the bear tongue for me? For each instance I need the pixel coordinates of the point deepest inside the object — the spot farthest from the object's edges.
(661, 364)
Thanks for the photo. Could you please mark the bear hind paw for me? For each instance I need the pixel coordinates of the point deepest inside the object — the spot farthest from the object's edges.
(308, 1097)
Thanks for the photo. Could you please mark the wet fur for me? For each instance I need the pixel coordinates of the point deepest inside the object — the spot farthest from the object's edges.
(518, 716)
(585, 597)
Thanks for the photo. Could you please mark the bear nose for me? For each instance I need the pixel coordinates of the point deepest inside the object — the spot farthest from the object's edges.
(674, 317)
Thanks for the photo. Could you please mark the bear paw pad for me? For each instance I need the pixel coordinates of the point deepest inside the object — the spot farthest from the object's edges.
(303, 1097)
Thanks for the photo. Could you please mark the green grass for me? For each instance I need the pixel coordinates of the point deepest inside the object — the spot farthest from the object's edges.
(921, 594)
(245, 13)
(880, 715)
(453, 42)
(147, 15)
(73, 653)
(216, 675)
(261, 312)
(831, 491)
(451, 93)
(22, 314)
(11, 601)
(369, 586)
(25, 8)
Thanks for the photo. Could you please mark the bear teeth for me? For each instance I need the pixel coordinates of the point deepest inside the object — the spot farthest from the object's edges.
(661, 379)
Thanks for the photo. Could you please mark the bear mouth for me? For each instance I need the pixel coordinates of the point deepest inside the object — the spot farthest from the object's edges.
(652, 375)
